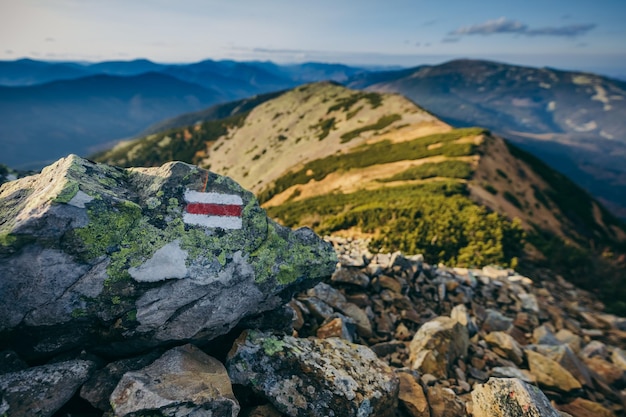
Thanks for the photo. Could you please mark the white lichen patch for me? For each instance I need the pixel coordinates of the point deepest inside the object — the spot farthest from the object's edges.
(166, 263)
(551, 106)
(80, 199)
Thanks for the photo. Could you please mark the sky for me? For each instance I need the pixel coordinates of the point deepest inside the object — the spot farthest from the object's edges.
(585, 35)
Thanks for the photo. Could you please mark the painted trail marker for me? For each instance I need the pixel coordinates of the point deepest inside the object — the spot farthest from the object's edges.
(213, 209)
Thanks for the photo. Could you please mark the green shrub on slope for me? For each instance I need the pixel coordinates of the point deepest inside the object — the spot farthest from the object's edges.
(435, 219)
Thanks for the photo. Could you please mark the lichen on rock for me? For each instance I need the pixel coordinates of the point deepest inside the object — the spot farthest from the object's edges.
(109, 254)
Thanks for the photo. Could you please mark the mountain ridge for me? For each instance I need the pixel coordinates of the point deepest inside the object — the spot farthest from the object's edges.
(378, 166)
(540, 109)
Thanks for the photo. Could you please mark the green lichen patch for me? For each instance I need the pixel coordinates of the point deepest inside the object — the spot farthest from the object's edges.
(272, 346)
(67, 193)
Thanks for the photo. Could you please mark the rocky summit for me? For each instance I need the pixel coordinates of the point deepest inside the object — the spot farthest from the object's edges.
(147, 292)
(119, 261)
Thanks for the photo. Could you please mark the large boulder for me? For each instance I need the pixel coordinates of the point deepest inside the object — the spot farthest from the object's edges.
(92, 255)
(314, 377)
(183, 382)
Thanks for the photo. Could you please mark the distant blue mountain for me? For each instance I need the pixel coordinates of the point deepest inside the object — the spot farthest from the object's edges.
(38, 124)
(29, 72)
(48, 109)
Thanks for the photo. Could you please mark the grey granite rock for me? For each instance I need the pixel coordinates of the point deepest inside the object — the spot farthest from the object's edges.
(42, 390)
(314, 377)
(93, 255)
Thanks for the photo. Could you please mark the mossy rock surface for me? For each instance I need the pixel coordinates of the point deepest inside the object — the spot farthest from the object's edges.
(96, 255)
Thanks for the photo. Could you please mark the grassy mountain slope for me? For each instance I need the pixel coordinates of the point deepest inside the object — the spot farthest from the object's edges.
(376, 165)
(577, 116)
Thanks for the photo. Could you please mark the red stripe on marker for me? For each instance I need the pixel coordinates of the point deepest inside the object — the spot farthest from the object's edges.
(214, 209)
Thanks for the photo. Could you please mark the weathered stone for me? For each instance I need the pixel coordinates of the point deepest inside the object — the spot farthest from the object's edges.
(594, 348)
(444, 402)
(92, 254)
(511, 372)
(337, 327)
(337, 300)
(102, 383)
(495, 321)
(571, 339)
(42, 390)
(352, 276)
(411, 395)
(505, 346)
(618, 357)
(565, 357)
(314, 377)
(184, 381)
(550, 374)
(585, 408)
(544, 335)
(437, 344)
(510, 397)
(609, 372)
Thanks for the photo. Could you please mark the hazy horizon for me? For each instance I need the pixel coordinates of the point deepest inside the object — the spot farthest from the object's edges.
(582, 35)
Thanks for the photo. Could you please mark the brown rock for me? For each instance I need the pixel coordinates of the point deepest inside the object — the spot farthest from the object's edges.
(412, 395)
(444, 402)
(505, 346)
(585, 408)
(550, 374)
(606, 370)
(352, 276)
(183, 381)
(565, 357)
(390, 283)
(334, 328)
(437, 345)
(510, 397)
(618, 357)
(571, 339)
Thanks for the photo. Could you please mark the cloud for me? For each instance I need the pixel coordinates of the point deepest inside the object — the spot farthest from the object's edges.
(450, 40)
(8, 51)
(504, 25)
(49, 39)
(501, 25)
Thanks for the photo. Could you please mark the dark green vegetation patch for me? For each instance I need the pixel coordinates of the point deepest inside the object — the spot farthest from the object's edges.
(436, 219)
(382, 123)
(448, 169)
(383, 152)
(344, 104)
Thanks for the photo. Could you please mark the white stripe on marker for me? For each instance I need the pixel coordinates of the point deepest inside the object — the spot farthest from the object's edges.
(212, 198)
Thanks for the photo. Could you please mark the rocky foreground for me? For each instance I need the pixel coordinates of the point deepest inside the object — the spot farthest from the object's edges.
(118, 300)
(386, 335)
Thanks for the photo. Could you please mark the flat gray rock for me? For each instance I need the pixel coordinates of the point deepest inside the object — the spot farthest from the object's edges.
(127, 259)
